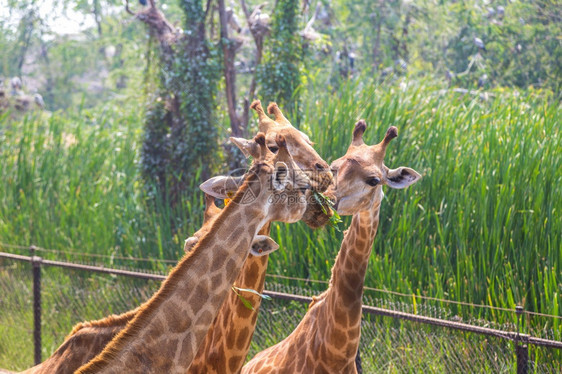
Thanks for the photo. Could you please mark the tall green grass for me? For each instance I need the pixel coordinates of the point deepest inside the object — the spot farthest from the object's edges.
(482, 226)
(70, 182)
(484, 223)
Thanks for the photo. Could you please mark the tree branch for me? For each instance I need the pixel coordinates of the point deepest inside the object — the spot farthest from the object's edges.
(258, 40)
(229, 72)
(157, 22)
(127, 8)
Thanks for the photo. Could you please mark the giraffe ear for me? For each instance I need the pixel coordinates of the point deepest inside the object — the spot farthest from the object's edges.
(222, 187)
(190, 243)
(263, 245)
(401, 177)
(248, 147)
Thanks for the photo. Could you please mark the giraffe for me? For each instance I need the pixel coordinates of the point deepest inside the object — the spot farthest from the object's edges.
(88, 339)
(165, 333)
(228, 341)
(327, 338)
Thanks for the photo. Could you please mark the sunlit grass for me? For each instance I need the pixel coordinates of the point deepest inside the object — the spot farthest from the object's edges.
(71, 183)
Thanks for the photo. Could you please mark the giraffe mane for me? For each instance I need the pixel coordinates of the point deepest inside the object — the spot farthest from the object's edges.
(317, 298)
(145, 311)
(109, 321)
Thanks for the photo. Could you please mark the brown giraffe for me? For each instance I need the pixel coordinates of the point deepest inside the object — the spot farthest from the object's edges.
(327, 339)
(228, 341)
(166, 332)
(88, 339)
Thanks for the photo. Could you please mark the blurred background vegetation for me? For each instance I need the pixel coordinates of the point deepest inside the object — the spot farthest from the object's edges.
(123, 110)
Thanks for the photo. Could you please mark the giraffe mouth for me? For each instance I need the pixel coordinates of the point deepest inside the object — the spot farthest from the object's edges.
(318, 211)
(320, 181)
(336, 205)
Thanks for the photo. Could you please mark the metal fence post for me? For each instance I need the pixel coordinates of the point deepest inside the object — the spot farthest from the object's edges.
(36, 264)
(521, 350)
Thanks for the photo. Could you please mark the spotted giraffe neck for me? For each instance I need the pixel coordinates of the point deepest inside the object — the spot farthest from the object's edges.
(165, 334)
(327, 338)
(228, 341)
(343, 301)
(225, 347)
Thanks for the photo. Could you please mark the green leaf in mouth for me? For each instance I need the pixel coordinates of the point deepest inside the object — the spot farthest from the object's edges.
(324, 202)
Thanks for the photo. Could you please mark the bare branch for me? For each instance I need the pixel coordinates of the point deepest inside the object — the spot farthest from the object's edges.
(127, 8)
(245, 9)
(258, 35)
(164, 31)
(207, 8)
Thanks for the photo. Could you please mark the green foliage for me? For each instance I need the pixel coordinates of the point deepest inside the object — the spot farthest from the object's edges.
(155, 152)
(180, 137)
(523, 45)
(280, 73)
(6, 43)
(72, 70)
(523, 42)
(79, 173)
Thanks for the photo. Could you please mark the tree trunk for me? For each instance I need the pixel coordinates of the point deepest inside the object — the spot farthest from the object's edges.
(163, 30)
(28, 24)
(49, 95)
(258, 40)
(235, 158)
(404, 41)
(229, 55)
(97, 16)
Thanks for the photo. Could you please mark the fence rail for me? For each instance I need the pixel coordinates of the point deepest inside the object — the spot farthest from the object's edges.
(521, 340)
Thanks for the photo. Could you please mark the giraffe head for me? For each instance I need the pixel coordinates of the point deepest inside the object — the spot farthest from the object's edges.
(304, 155)
(298, 144)
(274, 183)
(361, 173)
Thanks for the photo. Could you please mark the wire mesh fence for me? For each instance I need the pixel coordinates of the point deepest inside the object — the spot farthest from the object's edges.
(388, 344)
(394, 345)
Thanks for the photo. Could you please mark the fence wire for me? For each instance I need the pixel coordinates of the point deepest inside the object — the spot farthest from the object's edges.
(390, 345)
(387, 345)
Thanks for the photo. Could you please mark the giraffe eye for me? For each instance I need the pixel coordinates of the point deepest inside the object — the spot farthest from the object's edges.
(373, 181)
(273, 148)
